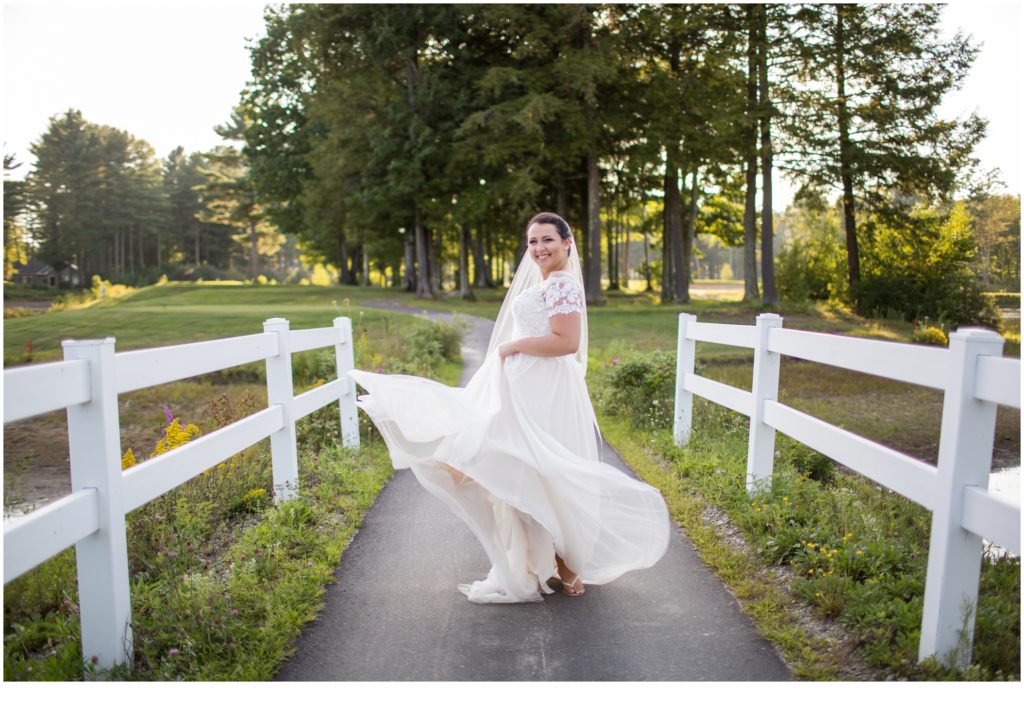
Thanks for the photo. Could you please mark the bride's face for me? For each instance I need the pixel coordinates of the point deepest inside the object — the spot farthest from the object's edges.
(547, 248)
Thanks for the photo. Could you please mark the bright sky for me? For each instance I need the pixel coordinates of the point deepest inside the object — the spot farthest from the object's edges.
(169, 73)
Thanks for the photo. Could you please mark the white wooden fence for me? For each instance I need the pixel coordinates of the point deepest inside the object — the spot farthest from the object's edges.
(974, 378)
(92, 518)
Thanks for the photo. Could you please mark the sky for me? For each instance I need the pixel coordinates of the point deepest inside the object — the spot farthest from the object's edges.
(168, 73)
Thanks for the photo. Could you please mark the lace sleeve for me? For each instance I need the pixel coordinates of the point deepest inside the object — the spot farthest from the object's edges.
(563, 295)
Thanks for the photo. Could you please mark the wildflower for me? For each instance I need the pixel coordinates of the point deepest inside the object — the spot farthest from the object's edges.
(810, 571)
(128, 460)
(234, 613)
(615, 361)
(810, 545)
(173, 652)
(167, 413)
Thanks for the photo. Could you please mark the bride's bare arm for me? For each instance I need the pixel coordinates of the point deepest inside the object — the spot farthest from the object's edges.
(564, 339)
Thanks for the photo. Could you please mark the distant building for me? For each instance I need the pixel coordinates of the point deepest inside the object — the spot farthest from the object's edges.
(39, 274)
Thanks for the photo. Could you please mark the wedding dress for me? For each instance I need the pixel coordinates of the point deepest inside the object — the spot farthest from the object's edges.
(515, 455)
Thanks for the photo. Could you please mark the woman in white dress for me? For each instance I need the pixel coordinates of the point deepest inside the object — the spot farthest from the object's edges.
(515, 454)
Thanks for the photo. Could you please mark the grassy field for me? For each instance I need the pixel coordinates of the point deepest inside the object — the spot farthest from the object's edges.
(895, 414)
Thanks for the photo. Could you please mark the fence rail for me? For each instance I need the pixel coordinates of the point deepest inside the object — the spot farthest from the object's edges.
(974, 380)
(92, 517)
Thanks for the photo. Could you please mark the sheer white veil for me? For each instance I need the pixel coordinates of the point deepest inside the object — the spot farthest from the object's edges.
(526, 276)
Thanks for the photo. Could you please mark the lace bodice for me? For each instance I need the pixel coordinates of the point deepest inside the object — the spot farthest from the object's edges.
(559, 294)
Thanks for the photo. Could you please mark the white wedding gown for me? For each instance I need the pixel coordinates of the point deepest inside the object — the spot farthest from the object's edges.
(524, 436)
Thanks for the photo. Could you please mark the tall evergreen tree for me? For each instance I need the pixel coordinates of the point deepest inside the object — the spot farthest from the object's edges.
(866, 119)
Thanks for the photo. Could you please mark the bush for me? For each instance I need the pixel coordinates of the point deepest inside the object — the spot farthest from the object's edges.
(642, 387)
(916, 265)
(805, 461)
(929, 335)
(812, 269)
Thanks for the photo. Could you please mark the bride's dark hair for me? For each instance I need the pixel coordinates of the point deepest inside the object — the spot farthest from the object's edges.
(551, 218)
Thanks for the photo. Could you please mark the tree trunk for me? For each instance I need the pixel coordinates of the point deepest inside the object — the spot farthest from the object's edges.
(613, 278)
(560, 201)
(410, 260)
(436, 269)
(253, 253)
(583, 230)
(465, 291)
(424, 281)
(625, 252)
(199, 234)
(594, 295)
(481, 271)
(769, 295)
(666, 250)
(674, 221)
(159, 253)
(750, 291)
(690, 235)
(845, 150)
(647, 260)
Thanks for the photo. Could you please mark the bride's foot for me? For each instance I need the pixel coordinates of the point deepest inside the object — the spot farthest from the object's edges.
(572, 585)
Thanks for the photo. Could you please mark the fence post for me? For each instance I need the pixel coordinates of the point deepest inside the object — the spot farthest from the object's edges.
(94, 439)
(344, 353)
(280, 390)
(686, 354)
(965, 458)
(765, 386)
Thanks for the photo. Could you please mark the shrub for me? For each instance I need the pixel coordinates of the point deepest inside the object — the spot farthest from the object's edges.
(806, 461)
(930, 335)
(812, 269)
(641, 386)
(916, 265)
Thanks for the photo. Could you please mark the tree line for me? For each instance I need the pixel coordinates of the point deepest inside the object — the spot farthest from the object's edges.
(405, 134)
(98, 198)
(407, 140)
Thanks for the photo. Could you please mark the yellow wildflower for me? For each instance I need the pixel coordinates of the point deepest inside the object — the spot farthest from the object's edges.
(128, 460)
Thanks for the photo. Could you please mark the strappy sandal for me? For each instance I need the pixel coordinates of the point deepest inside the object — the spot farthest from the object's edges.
(569, 589)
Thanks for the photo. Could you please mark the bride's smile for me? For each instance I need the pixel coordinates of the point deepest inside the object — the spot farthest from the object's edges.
(547, 248)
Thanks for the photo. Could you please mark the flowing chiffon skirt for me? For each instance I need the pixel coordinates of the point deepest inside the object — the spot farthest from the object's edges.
(514, 454)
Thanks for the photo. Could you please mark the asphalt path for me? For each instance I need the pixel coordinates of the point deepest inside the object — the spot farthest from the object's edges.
(393, 612)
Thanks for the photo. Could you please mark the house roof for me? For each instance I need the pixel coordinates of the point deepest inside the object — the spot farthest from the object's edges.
(33, 267)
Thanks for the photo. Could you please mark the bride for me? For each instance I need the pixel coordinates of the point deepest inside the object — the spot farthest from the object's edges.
(515, 453)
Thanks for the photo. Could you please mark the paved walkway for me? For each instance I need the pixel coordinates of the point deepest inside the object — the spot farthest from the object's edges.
(394, 612)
